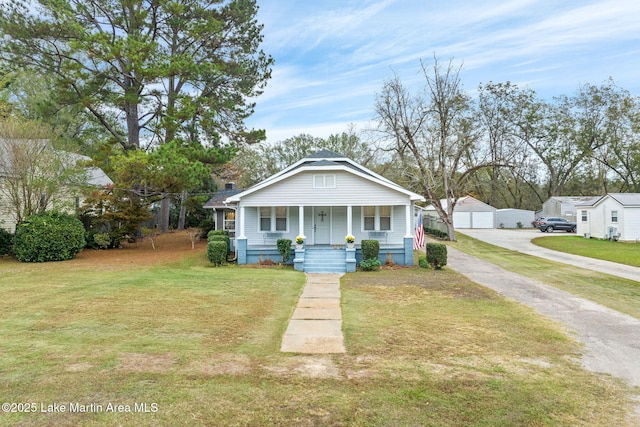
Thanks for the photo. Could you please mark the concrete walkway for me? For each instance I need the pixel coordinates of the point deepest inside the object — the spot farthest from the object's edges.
(316, 324)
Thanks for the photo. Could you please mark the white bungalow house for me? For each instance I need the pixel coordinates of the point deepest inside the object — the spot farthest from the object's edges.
(323, 198)
(612, 216)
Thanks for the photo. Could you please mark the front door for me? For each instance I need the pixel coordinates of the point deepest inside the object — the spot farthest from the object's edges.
(322, 225)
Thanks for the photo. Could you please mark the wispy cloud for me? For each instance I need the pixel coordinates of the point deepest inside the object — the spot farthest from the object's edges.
(332, 56)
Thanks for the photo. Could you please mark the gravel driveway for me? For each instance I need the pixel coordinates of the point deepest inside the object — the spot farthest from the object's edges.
(611, 339)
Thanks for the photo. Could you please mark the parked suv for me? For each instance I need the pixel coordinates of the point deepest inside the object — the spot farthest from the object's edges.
(550, 224)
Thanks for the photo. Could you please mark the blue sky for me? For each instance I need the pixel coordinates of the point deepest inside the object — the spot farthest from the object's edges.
(332, 56)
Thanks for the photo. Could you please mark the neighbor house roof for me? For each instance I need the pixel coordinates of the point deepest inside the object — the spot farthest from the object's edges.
(625, 199)
(95, 175)
(217, 200)
(325, 160)
(469, 200)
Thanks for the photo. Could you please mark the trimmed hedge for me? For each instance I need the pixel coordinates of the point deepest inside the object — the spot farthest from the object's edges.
(284, 247)
(221, 238)
(436, 233)
(436, 255)
(217, 252)
(370, 249)
(6, 242)
(49, 237)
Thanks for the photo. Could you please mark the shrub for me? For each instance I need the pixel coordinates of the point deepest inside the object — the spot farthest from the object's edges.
(436, 233)
(436, 255)
(217, 252)
(6, 242)
(370, 264)
(206, 225)
(102, 240)
(49, 237)
(422, 262)
(220, 238)
(217, 233)
(519, 224)
(370, 249)
(284, 247)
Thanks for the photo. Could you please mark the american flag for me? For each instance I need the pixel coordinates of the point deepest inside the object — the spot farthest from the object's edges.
(418, 239)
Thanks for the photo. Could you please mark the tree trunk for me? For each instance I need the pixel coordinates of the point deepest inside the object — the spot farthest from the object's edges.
(183, 211)
(164, 213)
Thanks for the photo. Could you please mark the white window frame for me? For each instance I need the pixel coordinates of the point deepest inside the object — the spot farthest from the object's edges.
(323, 184)
(614, 216)
(376, 219)
(584, 216)
(273, 219)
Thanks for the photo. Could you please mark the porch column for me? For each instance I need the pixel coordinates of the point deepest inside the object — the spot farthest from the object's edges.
(242, 236)
(349, 219)
(301, 221)
(408, 219)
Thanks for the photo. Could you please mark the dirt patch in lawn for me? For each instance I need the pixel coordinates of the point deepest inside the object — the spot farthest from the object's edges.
(140, 362)
(170, 247)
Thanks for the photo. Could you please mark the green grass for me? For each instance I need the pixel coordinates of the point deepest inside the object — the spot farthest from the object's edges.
(611, 291)
(621, 252)
(202, 345)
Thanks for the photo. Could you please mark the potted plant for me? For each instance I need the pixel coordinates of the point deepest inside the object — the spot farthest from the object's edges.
(299, 242)
(350, 241)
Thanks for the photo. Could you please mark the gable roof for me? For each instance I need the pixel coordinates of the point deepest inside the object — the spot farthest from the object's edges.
(624, 199)
(325, 160)
(469, 201)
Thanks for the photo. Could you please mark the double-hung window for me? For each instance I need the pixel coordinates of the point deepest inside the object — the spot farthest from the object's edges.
(376, 218)
(584, 216)
(273, 218)
(614, 216)
(324, 181)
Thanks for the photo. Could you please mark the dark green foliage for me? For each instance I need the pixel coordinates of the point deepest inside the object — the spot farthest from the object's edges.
(6, 242)
(436, 255)
(220, 238)
(284, 247)
(217, 252)
(436, 233)
(102, 240)
(370, 249)
(370, 264)
(206, 226)
(217, 233)
(49, 237)
(422, 262)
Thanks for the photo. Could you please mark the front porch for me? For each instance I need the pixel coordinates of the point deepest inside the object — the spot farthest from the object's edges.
(325, 258)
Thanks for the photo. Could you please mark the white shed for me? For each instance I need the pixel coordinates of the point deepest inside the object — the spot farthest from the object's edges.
(510, 218)
(469, 212)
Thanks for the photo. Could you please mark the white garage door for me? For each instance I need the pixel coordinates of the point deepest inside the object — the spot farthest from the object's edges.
(482, 220)
(462, 219)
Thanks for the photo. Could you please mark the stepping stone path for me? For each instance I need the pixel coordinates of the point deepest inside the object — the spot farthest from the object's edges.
(316, 324)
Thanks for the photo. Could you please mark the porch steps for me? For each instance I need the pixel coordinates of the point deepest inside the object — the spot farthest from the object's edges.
(325, 260)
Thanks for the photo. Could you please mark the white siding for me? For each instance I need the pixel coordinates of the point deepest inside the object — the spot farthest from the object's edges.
(350, 190)
(631, 224)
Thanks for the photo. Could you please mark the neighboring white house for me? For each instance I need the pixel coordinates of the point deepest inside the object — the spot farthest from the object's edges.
(612, 216)
(564, 206)
(515, 218)
(69, 196)
(324, 197)
(468, 212)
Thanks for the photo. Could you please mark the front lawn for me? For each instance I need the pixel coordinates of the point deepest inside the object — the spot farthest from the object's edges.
(622, 252)
(177, 342)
